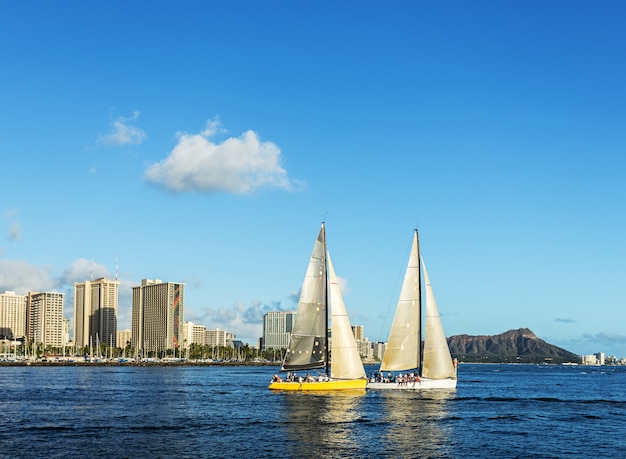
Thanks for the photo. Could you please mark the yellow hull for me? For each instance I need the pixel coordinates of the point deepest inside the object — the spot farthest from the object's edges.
(343, 384)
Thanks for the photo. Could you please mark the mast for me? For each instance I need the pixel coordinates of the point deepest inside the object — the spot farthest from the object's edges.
(327, 351)
(419, 306)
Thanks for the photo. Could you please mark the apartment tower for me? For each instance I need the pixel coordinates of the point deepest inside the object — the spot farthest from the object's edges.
(44, 318)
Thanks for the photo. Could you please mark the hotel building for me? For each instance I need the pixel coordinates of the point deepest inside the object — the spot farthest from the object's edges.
(95, 312)
(158, 316)
(12, 316)
(193, 334)
(217, 337)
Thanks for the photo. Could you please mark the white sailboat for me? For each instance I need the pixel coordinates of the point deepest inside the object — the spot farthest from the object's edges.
(321, 300)
(432, 369)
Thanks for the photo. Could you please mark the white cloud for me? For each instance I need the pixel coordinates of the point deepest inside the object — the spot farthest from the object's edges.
(22, 277)
(246, 322)
(82, 270)
(237, 165)
(564, 320)
(123, 132)
(343, 285)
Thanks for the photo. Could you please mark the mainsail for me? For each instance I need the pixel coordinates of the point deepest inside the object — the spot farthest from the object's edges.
(307, 347)
(403, 347)
(346, 362)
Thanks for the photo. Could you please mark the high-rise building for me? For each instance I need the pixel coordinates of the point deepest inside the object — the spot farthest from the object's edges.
(158, 309)
(95, 312)
(277, 326)
(193, 334)
(378, 350)
(363, 345)
(357, 330)
(12, 315)
(44, 318)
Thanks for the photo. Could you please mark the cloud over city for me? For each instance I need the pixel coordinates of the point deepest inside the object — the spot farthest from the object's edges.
(245, 321)
(237, 165)
(22, 277)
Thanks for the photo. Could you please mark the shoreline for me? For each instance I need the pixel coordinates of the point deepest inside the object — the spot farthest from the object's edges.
(137, 364)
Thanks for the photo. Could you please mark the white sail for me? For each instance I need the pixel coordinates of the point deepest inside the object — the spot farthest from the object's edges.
(437, 360)
(403, 351)
(307, 347)
(345, 359)
(403, 347)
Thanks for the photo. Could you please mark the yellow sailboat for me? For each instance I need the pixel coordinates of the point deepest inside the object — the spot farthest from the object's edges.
(321, 300)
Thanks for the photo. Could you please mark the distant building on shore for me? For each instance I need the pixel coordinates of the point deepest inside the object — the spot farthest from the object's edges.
(95, 312)
(593, 359)
(44, 318)
(363, 345)
(124, 337)
(193, 334)
(277, 327)
(378, 349)
(12, 316)
(157, 316)
(217, 337)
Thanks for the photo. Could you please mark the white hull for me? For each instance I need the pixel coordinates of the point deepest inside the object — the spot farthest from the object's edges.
(423, 384)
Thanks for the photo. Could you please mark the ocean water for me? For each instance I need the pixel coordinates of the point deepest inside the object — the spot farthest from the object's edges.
(497, 411)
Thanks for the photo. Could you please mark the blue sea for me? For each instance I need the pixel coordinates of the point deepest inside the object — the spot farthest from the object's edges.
(497, 411)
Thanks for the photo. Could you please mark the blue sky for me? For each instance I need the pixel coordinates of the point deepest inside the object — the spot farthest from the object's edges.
(204, 142)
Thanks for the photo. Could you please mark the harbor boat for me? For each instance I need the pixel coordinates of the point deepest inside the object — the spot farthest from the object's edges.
(321, 302)
(412, 367)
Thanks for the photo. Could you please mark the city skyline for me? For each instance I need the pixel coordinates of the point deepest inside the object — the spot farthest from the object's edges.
(275, 336)
(204, 144)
